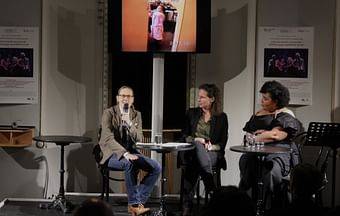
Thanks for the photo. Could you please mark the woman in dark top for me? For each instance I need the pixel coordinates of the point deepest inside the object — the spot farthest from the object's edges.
(207, 128)
(274, 125)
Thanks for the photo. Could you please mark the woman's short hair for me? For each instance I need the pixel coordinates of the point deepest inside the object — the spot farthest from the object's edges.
(213, 92)
(278, 92)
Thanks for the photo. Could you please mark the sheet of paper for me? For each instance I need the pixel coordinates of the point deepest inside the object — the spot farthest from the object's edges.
(168, 144)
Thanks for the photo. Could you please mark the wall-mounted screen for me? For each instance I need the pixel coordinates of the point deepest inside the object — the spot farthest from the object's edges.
(159, 26)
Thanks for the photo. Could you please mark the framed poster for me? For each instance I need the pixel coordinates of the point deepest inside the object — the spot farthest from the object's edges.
(19, 65)
(285, 54)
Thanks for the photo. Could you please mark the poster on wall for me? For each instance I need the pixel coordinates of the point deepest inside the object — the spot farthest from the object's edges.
(285, 54)
(19, 65)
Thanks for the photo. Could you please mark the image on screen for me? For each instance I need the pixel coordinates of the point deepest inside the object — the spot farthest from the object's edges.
(159, 26)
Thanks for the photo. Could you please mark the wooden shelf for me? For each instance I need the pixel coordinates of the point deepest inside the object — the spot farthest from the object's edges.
(19, 137)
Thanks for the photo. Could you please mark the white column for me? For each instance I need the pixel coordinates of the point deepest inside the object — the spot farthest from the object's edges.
(157, 95)
(336, 90)
(157, 103)
(239, 110)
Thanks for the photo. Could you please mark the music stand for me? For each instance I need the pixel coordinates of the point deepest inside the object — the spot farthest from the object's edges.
(325, 134)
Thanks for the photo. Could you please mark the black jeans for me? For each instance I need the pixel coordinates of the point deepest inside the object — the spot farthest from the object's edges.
(199, 162)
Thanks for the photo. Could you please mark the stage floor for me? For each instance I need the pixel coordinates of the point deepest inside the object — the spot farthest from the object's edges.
(30, 207)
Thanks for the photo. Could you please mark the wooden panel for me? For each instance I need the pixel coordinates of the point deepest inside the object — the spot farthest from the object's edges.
(169, 135)
(19, 137)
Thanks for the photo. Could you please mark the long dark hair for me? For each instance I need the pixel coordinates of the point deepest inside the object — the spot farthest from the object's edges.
(213, 92)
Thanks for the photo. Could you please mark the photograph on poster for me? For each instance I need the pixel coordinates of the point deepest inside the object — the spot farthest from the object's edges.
(16, 62)
(286, 63)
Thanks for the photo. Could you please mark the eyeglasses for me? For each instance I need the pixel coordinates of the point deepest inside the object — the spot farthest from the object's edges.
(127, 96)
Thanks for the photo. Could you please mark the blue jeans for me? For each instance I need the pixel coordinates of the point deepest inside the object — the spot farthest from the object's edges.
(137, 193)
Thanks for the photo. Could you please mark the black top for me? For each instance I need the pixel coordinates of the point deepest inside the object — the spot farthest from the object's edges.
(218, 134)
(218, 127)
(267, 122)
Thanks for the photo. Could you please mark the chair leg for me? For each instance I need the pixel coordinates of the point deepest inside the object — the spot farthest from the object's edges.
(181, 189)
(219, 179)
(107, 184)
(206, 197)
(198, 191)
(103, 184)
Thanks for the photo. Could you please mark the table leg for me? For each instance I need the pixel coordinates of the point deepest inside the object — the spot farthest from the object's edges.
(162, 210)
(260, 187)
(335, 153)
(61, 171)
(60, 201)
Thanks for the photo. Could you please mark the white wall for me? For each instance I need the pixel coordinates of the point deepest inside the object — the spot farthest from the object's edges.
(71, 82)
(320, 15)
(231, 66)
(71, 86)
(71, 68)
(231, 63)
(18, 162)
(336, 105)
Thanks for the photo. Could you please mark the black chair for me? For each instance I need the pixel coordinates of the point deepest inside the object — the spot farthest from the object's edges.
(104, 170)
(217, 180)
(283, 196)
(326, 136)
(105, 173)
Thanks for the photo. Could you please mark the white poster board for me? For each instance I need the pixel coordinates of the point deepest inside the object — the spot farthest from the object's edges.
(19, 65)
(285, 54)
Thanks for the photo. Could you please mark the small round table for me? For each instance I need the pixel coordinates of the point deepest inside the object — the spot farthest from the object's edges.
(60, 201)
(260, 152)
(163, 149)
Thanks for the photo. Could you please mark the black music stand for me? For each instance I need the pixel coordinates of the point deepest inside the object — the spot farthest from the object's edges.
(325, 134)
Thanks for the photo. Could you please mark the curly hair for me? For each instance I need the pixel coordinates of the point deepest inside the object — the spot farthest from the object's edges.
(213, 92)
(278, 93)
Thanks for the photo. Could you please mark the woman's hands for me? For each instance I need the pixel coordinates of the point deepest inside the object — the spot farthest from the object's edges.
(207, 144)
(274, 134)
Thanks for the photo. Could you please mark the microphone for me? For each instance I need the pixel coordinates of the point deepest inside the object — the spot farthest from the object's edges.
(126, 108)
(125, 114)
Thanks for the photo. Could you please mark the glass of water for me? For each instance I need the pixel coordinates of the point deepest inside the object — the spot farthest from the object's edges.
(158, 139)
(260, 144)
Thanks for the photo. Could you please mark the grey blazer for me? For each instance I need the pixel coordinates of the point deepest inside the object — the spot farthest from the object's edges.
(111, 134)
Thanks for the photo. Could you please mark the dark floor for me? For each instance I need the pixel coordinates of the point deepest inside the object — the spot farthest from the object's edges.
(13, 207)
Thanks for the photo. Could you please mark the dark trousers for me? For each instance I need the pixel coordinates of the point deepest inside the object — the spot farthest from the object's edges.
(198, 162)
(274, 168)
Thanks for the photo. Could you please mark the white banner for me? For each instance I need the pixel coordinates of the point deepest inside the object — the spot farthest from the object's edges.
(285, 54)
(19, 65)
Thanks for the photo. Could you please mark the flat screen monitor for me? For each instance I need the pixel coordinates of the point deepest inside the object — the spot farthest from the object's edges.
(159, 26)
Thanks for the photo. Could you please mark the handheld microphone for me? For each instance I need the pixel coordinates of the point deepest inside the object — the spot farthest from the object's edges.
(125, 113)
(126, 108)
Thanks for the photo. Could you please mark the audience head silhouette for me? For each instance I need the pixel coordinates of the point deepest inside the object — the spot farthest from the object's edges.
(94, 206)
(230, 200)
(306, 180)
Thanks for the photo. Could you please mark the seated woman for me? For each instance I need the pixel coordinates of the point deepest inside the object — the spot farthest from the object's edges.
(207, 128)
(274, 125)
